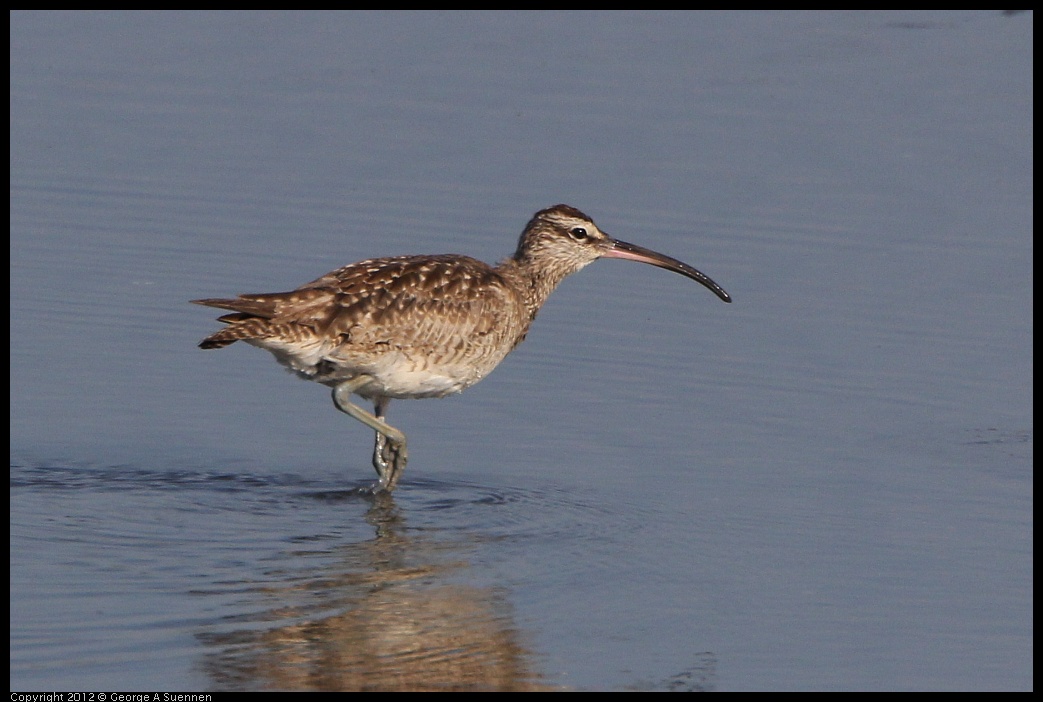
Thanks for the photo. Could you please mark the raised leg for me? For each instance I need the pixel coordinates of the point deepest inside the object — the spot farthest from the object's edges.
(389, 452)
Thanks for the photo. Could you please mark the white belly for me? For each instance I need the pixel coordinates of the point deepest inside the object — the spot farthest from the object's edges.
(393, 374)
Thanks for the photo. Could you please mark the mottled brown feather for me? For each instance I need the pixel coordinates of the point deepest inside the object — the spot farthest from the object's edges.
(420, 326)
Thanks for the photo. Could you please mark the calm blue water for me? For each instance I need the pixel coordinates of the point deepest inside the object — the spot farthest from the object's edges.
(825, 485)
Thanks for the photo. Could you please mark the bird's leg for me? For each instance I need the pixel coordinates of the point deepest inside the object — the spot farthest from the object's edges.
(389, 456)
(389, 453)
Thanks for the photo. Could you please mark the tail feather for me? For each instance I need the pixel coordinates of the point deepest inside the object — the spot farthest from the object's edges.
(289, 314)
(248, 320)
(256, 306)
(238, 330)
(211, 343)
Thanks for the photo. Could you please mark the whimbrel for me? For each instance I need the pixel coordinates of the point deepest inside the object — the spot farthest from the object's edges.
(409, 327)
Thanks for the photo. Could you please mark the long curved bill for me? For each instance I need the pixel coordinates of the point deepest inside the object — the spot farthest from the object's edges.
(633, 252)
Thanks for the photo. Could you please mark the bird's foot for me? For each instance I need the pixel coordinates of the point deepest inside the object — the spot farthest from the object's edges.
(389, 459)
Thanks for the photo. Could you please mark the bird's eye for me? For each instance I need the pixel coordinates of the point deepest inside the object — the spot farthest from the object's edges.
(578, 233)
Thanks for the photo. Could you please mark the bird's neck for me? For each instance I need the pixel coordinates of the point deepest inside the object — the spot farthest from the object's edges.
(533, 280)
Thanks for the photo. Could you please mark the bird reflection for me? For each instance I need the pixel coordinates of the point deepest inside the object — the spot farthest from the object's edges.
(389, 614)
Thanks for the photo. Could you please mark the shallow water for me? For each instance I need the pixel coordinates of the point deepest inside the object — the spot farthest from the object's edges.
(825, 485)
